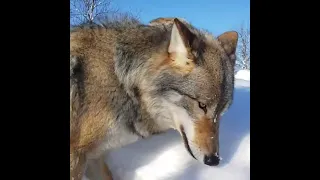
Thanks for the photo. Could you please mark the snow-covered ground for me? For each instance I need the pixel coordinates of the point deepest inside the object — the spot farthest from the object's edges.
(243, 74)
(164, 157)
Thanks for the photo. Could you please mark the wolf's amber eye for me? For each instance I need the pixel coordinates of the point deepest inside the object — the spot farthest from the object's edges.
(203, 107)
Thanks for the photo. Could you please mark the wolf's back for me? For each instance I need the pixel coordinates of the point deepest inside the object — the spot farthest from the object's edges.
(93, 84)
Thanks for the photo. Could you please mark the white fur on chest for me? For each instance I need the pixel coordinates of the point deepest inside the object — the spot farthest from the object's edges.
(117, 137)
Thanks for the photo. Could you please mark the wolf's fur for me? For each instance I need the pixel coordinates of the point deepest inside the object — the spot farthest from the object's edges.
(129, 81)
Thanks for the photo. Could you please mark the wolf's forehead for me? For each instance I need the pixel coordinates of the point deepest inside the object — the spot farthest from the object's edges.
(205, 88)
(210, 75)
(209, 91)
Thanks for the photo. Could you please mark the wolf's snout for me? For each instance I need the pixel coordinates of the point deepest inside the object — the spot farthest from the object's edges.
(211, 160)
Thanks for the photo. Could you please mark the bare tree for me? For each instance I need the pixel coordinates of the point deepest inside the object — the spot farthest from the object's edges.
(243, 59)
(89, 10)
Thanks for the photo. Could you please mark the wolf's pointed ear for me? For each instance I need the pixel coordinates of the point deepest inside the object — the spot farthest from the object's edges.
(229, 41)
(181, 38)
(179, 48)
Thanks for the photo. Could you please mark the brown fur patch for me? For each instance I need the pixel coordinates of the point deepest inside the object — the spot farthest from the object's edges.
(165, 21)
(203, 134)
(94, 129)
(159, 61)
(162, 21)
(180, 63)
(94, 118)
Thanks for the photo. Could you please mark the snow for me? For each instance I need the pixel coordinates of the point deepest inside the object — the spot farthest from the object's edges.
(243, 74)
(164, 157)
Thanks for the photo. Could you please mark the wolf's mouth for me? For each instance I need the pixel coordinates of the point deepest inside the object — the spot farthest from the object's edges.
(185, 140)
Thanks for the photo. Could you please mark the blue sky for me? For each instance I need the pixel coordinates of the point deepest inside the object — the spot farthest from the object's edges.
(217, 16)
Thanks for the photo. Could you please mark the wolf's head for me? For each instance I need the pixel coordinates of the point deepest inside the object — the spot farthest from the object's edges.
(187, 84)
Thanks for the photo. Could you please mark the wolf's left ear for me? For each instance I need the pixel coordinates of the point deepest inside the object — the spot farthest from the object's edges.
(229, 41)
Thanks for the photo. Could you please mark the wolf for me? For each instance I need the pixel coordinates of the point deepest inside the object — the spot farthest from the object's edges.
(130, 80)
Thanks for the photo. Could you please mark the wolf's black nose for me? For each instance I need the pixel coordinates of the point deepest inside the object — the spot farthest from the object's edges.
(211, 160)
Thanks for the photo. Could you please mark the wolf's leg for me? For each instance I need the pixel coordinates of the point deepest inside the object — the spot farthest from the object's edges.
(77, 163)
(97, 169)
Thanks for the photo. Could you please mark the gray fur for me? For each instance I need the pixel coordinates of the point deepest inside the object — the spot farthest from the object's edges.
(113, 80)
